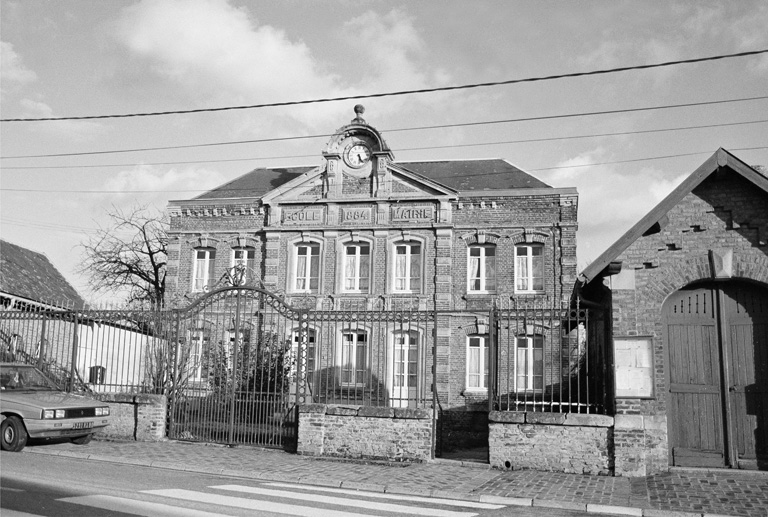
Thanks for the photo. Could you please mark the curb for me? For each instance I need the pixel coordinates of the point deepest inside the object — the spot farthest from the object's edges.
(394, 489)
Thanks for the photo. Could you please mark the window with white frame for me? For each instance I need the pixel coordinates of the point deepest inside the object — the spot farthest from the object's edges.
(407, 274)
(477, 363)
(197, 363)
(357, 267)
(202, 272)
(245, 258)
(354, 357)
(529, 268)
(481, 268)
(529, 363)
(307, 273)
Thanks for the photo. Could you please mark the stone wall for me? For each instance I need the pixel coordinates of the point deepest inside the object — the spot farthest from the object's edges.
(135, 417)
(554, 442)
(392, 434)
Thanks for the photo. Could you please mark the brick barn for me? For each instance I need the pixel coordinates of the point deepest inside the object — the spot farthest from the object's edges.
(361, 231)
(686, 298)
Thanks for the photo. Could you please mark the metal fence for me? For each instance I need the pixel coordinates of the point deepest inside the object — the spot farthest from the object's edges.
(548, 357)
(541, 356)
(91, 350)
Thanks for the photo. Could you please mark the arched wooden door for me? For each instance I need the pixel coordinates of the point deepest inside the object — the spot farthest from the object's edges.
(716, 337)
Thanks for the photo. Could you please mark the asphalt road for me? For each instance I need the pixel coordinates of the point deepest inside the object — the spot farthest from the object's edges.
(33, 484)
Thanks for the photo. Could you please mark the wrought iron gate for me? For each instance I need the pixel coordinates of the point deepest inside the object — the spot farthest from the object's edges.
(234, 373)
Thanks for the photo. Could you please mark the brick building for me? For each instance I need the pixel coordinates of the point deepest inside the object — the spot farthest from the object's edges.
(686, 293)
(363, 231)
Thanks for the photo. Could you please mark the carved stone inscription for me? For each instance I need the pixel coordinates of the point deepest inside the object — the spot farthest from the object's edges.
(356, 215)
(295, 216)
(412, 213)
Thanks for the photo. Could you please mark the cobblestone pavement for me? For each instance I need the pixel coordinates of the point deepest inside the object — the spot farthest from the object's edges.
(688, 492)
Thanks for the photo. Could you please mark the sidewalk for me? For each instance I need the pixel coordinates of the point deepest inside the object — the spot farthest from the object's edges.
(685, 493)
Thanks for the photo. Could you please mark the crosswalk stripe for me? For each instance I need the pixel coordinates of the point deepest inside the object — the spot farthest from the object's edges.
(398, 497)
(371, 505)
(251, 504)
(125, 505)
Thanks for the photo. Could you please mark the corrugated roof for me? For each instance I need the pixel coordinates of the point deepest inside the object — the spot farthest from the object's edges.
(461, 175)
(29, 274)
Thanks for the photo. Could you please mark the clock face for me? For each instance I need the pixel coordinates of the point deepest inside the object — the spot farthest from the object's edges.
(357, 155)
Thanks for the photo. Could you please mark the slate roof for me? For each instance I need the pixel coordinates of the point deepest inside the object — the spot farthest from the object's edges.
(30, 275)
(461, 175)
(721, 158)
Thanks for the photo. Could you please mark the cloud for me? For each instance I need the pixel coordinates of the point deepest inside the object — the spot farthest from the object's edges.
(610, 201)
(214, 50)
(69, 130)
(13, 73)
(157, 185)
(217, 54)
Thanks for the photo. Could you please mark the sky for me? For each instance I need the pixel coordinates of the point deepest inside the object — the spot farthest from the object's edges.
(72, 58)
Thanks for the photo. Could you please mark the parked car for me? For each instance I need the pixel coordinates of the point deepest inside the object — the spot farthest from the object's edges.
(33, 406)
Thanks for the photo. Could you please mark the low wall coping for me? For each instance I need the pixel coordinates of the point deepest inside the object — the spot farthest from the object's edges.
(569, 419)
(545, 418)
(132, 398)
(367, 411)
(376, 412)
(409, 413)
(312, 408)
(507, 417)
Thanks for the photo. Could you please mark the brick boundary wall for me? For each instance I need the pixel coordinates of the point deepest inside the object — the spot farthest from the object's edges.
(135, 417)
(554, 442)
(393, 434)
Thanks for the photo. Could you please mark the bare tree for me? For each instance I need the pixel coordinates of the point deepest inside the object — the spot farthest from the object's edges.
(129, 255)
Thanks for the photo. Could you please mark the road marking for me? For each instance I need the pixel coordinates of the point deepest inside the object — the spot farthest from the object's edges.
(125, 505)
(370, 505)
(398, 497)
(251, 504)
(9, 489)
(16, 513)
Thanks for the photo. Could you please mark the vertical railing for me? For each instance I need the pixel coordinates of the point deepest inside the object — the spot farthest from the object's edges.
(542, 358)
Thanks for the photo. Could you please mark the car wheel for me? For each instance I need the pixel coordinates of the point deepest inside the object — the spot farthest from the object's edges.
(82, 440)
(13, 434)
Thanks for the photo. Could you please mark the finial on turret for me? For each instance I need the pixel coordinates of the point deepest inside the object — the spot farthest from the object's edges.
(359, 110)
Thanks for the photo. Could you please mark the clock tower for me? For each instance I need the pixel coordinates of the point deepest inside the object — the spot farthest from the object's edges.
(357, 156)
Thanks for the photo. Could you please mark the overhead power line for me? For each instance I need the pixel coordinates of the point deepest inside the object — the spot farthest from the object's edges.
(404, 92)
(395, 130)
(404, 149)
(595, 164)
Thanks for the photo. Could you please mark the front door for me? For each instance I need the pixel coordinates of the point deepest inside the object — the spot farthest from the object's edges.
(716, 338)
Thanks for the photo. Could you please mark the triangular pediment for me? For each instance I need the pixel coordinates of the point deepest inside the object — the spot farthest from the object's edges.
(395, 183)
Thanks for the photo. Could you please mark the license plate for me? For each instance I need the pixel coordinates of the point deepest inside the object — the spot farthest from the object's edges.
(82, 425)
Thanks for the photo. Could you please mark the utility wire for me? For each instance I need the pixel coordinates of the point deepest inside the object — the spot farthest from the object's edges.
(404, 92)
(596, 164)
(418, 128)
(405, 149)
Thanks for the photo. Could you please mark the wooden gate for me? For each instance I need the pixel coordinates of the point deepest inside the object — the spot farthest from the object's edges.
(717, 342)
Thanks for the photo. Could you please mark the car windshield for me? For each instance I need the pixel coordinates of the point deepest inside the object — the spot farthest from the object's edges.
(21, 377)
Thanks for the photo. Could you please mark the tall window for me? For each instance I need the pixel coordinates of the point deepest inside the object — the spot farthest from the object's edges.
(354, 357)
(202, 274)
(481, 269)
(529, 363)
(244, 257)
(477, 363)
(197, 362)
(408, 268)
(529, 268)
(307, 268)
(357, 267)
